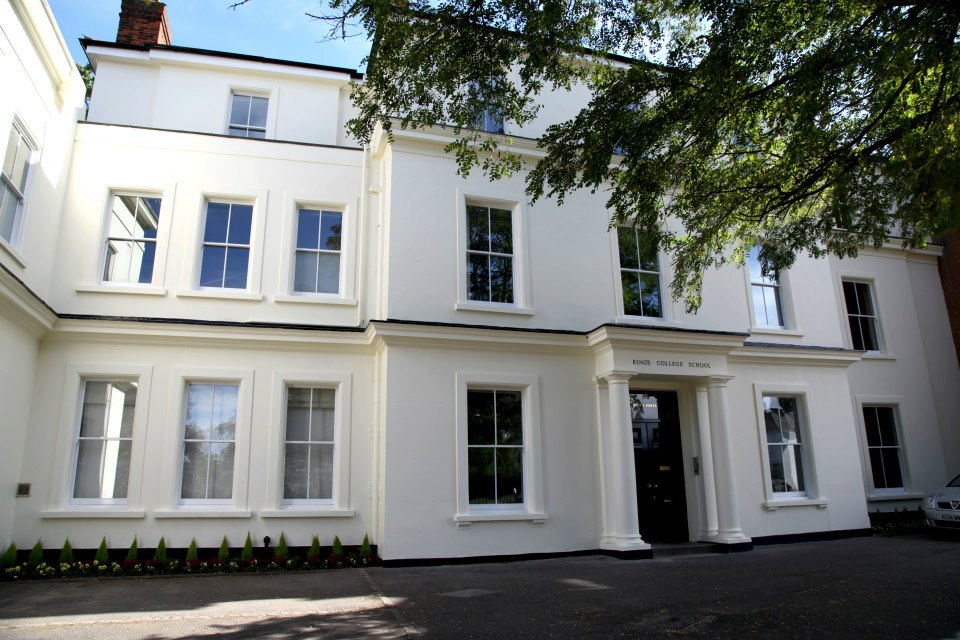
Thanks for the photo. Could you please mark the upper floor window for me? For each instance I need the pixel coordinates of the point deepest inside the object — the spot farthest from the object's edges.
(639, 275)
(491, 121)
(765, 290)
(16, 163)
(105, 440)
(131, 244)
(317, 263)
(226, 245)
(862, 315)
(490, 254)
(248, 116)
(781, 416)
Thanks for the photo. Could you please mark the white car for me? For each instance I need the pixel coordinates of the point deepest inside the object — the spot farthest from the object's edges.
(942, 509)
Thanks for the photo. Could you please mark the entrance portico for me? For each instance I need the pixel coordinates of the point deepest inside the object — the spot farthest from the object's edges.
(695, 370)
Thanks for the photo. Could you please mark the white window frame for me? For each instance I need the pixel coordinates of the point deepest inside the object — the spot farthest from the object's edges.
(75, 379)
(895, 403)
(160, 244)
(882, 349)
(253, 92)
(668, 314)
(532, 509)
(339, 504)
(784, 291)
(348, 253)
(521, 304)
(30, 140)
(183, 377)
(811, 495)
(255, 198)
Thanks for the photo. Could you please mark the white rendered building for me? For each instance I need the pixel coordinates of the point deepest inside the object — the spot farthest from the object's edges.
(219, 314)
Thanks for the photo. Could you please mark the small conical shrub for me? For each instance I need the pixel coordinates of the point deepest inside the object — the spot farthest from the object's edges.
(103, 556)
(9, 557)
(282, 550)
(192, 551)
(160, 555)
(132, 551)
(314, 550)
(247, 553)
(365, 551)
(337, 546)
(36, 554)
(66, 553)
(224, 553)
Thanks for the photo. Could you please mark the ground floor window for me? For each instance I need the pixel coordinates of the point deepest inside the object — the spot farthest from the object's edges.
(209, 441)
(309, 444)
(495, 446)
(781, 415)
(883, 446)
(105, 440)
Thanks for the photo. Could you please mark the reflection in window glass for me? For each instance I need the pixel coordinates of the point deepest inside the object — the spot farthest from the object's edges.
(639, 275)
(248, 116)
(226, 245)
(784, 445)
(765, 289)
(13, 182)
(489, 254)
(131, 245)
(317, 257)
(495, 447)
(209, 435)
(309, 444)
(106, 437)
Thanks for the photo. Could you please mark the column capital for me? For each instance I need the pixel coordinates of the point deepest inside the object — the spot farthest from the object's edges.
(718, 381)
(614, 377)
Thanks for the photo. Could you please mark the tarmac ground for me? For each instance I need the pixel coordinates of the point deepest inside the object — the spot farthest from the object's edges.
(879, 587)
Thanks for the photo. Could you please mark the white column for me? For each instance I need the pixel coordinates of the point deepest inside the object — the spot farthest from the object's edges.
(621, 528)
(728, 510)
(709, 528)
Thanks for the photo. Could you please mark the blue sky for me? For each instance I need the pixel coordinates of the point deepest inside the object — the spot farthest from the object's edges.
(269, 28)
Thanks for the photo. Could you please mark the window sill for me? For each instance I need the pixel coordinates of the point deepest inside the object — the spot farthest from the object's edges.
(200, 513)
(777, 331)
(773, 505)
(316, 299)
(903, 495)
(644, 320)
(463, 521)
(225, 294)
(293, 512)
(120, 288)
(875, 355)
(494, 307)
(14, 255)
(92, 513)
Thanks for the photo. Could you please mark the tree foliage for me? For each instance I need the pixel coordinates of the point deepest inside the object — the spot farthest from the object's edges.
(807, 126)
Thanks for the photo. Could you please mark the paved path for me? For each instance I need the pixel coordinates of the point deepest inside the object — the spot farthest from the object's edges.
(884, 587)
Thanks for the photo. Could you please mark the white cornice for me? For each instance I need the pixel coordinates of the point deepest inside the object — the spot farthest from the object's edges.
(794, 356)
(21, 307)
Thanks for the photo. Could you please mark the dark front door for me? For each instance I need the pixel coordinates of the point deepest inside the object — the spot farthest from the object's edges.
(661, 495)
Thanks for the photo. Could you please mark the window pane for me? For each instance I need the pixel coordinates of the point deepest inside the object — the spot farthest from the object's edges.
(258, 112)
(116, 469)
(328, 274)
(850, 297)
(295, 471)
(87, 482)
(308, 229)
(221, 471)
(632, 305)
(509, 475)
(478, 238)
(321, 472)
(886, 426)
(240, 110)
(627, 240)
(122, 400)
(240, 218)
(509, 418)
(864, 299)
(10, 157)
(323, 415)
(305, 271)
(501, 231)
(149, 252)
(94, 414)
(211, 266)
(793, 468)
(649, 258)
(868, 334)
(9, 203)
(650, 295)
(215, 227)
(891, 467)
(199, 413)
(255, 133)
(478, 277)
(298, 414)
(480, 418)
(224, 419)
(237, 132)
(481, 479)
(331, 230)
(122, 218)
(501, 279)
(194, 483)
(871, 426)
(236, 274)
(876, 468)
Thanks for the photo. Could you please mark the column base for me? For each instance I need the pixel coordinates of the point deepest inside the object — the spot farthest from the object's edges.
(731, 542)
(623, 543)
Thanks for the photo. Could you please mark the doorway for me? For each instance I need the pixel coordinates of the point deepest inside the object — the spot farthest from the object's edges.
(658, 458)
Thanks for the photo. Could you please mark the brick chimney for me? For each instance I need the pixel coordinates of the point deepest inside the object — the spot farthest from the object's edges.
(143, 23)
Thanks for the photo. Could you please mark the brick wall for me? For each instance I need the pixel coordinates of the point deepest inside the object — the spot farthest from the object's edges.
(143, 22)
(950, 279)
